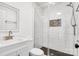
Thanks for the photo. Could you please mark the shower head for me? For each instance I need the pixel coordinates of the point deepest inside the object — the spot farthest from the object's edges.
(70, 4)
(77, 10)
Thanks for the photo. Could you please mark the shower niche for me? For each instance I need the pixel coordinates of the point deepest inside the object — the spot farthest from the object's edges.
(9, 17)
(55, 23)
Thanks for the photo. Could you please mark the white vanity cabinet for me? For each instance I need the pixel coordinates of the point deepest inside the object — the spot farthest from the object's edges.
(17, 49)
(20, 52)
(13, 53)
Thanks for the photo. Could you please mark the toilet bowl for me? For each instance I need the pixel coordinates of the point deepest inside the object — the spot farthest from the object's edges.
(36, 52)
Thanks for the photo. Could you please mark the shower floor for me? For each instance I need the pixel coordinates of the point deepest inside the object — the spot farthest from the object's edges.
(54, 52)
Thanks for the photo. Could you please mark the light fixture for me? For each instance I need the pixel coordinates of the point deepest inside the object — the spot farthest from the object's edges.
(58, 13)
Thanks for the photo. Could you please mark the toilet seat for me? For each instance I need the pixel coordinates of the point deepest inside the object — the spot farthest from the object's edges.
(36, 52)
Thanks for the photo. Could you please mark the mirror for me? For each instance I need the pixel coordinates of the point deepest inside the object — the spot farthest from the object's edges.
(9, 17)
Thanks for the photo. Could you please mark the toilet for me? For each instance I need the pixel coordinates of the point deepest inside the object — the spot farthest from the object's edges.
(36, 52)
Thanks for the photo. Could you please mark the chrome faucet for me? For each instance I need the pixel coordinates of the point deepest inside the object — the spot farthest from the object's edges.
(9, 36)
(10, 32)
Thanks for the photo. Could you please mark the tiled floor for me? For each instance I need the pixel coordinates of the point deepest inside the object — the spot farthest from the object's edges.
(54, 52)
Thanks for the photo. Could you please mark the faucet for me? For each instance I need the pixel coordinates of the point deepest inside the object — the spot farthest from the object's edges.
(10, 32)
(9, 36)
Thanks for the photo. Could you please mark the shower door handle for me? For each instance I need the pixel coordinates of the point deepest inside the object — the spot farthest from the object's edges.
(76, 46)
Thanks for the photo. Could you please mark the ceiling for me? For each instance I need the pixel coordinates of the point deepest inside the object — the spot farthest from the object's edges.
(46, 4)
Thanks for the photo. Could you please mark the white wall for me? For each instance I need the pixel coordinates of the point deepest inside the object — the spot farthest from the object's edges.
(26, 19)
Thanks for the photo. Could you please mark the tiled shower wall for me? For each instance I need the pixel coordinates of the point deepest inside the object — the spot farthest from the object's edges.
(59, 38)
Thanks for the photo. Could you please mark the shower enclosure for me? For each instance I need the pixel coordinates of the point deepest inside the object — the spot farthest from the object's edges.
(57, 27)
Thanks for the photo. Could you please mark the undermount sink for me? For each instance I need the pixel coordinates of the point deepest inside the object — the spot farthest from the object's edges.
(12, 41)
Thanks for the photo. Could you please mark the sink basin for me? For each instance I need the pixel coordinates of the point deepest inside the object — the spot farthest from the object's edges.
(12, 41)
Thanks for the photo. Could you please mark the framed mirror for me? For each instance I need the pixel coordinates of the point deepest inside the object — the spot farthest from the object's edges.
(9, 17)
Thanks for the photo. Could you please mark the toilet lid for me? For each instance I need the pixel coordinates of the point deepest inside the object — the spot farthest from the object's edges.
(36, 51)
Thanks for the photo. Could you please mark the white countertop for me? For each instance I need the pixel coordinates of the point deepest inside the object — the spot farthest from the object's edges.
(15, 40)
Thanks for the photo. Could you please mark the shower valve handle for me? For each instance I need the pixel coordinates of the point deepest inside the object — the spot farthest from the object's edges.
(76, 45)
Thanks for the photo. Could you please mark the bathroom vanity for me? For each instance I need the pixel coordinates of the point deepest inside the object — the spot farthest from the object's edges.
(16, 47)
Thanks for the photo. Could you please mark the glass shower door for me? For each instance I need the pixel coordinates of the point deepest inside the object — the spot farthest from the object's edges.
(60, 37)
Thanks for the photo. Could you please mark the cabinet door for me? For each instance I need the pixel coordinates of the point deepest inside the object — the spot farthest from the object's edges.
(14, 53)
